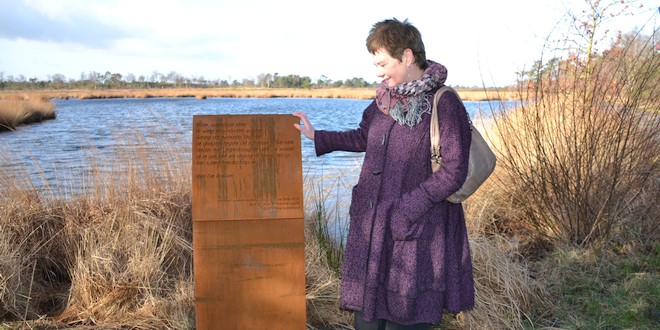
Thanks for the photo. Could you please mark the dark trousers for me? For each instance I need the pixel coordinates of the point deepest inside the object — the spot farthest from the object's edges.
(360, 324)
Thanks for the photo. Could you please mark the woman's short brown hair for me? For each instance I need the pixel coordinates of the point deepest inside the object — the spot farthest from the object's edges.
(395, 36)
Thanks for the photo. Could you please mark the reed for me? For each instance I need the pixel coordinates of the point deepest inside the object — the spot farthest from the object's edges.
(119, 254)
(21, 109)
(509, 293)
(204, 93)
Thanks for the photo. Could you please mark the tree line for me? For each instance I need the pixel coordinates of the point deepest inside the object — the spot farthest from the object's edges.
(109, 80)
(629, 54)
(541, 69)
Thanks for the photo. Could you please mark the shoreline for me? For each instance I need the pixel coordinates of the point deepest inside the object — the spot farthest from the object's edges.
(19, 110)
(21, 107)
(204, 93)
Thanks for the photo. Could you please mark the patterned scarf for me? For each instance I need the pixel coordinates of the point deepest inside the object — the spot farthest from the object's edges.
(408, 101)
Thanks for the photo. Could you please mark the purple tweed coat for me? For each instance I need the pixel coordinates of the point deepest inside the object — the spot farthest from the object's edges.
(407, 256)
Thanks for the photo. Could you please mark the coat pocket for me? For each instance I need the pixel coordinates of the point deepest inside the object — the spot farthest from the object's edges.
(405, 229)
(410, 271)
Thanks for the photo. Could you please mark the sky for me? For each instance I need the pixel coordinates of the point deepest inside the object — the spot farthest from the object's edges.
(481, 42)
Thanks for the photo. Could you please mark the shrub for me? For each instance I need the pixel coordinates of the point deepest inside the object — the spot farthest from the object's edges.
(579, 154)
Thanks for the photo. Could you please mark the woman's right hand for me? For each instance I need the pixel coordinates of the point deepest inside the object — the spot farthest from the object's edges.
(306, 128)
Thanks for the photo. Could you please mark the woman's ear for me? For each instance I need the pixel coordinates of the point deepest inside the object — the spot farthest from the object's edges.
(408, 57)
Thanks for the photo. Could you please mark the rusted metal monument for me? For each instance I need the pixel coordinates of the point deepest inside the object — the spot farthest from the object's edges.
(248, 222)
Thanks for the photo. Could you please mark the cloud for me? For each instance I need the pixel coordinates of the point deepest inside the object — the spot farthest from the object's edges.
(21, 21)
(241, 39)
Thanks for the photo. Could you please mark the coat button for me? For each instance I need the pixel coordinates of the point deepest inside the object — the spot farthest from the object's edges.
(377, 172)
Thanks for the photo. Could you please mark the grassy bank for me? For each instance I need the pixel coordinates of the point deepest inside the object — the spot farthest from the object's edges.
(563, 236)
(202, 93)
(120, 255)
(21, 109)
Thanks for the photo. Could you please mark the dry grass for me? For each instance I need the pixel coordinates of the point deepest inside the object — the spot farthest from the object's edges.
(577, 171)
(120, 255)
(323, 286)
(508, 295)
(203, 93)
(20, 109)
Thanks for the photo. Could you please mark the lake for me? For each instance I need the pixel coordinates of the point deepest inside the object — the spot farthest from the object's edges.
(55, 152)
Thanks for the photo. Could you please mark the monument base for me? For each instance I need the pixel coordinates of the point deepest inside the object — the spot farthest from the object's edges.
(248, 274)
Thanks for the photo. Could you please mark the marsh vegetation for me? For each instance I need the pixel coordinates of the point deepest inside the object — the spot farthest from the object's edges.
(563, 236)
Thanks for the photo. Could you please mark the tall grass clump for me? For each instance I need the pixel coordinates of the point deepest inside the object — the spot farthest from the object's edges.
(118, 255)
(16, 110)
(115, 250)
(329, 225)
(326, 228)
(579, 155)
(508, 293)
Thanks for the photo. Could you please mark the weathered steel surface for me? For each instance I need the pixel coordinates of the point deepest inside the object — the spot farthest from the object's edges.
(248, 222)
(246, 167)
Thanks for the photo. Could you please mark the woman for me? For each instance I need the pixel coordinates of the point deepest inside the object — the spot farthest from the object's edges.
(407, 256)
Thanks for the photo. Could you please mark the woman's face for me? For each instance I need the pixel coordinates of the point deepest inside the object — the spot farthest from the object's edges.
(390, 69)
